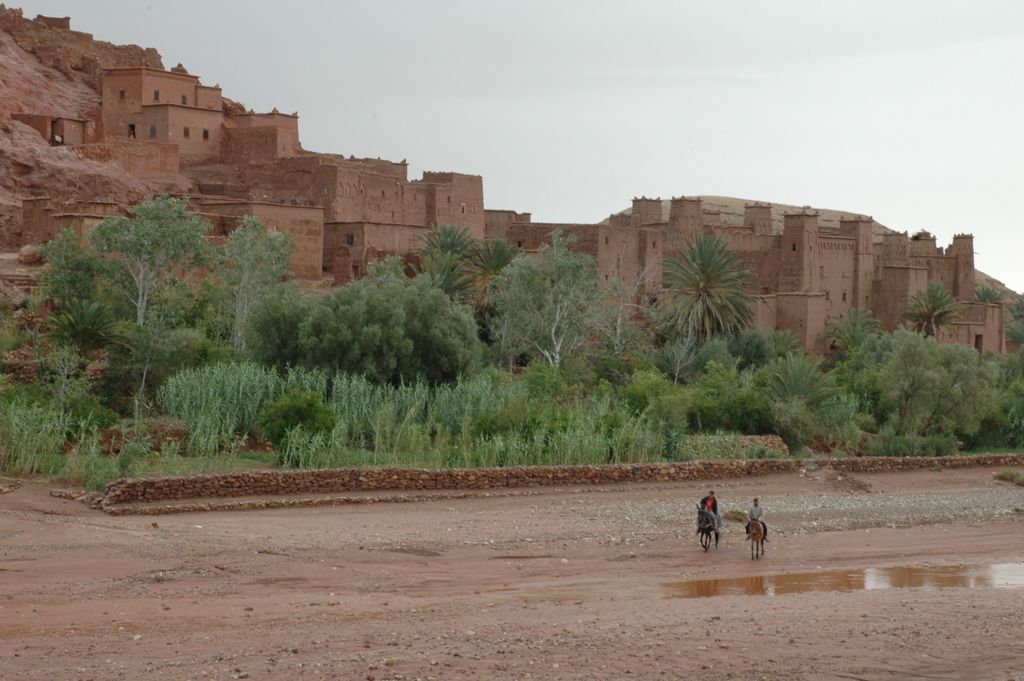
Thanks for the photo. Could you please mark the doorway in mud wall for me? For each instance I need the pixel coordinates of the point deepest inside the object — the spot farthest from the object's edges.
(131, 130)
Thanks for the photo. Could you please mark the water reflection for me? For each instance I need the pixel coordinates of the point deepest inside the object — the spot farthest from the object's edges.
(1006, 575)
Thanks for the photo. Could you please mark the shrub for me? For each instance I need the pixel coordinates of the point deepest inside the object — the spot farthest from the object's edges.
(390, 329)
(295, 409)
(272, 336)
(724, 400)
(889, 443)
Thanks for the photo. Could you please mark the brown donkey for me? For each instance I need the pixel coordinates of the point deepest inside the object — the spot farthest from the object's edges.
(756, 536)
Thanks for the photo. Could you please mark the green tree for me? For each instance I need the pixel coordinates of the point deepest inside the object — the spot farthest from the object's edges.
(548, 306)
(988, 294)
(931, 309)
(253, 262)
(705, 291)
(272, 328)
(74, 272)
(161, 235)
(390, 329)
(850, 332)
(938, 388)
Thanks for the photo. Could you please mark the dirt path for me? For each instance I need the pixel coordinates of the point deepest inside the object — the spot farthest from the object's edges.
(569, 585)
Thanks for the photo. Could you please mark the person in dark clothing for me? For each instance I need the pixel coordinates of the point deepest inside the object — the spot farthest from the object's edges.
(710, 504)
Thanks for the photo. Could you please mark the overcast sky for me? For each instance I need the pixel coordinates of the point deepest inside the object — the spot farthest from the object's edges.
(912, 112)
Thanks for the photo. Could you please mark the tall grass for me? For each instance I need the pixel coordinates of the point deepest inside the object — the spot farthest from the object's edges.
(221, 402)
(487, 420)
(32, 439)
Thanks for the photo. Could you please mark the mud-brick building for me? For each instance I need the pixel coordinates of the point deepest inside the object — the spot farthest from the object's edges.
(162, 106)
(804, 274)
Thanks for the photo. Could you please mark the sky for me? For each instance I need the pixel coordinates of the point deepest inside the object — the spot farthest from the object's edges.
(909, 111)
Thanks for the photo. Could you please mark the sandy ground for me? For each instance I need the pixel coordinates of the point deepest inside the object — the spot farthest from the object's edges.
(571, 584)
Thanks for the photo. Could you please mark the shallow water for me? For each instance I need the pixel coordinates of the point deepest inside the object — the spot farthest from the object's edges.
(998, 576)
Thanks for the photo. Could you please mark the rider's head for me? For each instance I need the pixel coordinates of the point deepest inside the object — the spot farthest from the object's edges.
(755, 501)
(711, 493)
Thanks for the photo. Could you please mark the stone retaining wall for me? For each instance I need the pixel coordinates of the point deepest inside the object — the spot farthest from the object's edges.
(264, 482)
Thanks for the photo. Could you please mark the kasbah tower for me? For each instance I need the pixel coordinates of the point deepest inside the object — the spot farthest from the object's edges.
(180, 136)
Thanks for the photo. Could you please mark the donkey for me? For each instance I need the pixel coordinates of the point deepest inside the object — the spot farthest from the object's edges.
(705, 527)
(755, 533)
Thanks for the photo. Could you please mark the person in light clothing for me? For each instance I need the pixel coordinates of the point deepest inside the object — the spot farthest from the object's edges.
(756, 512)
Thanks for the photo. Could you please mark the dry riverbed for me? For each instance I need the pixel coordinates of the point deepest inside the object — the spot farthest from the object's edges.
(570, 584)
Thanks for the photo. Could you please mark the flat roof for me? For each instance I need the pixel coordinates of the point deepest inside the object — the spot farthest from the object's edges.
(185, 106)
(151, 69)
(247, 202)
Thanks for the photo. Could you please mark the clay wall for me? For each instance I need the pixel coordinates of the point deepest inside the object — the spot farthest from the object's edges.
(618, 254)
(978, 325)
(208, 97)
(765, 316)
(38, 122)
(281, 482)
(645, 212)
(285, 127)
(254, 145)
(197, 132)
(456, 199)
(861, 229)
(757, 218)
(836, 273)
(142, 158)
(304, 223)
(73, 131)
(803, 314)
(61, 23)
(799, 254)
(890, 291)
(498, 222)
(759, 255)
(35, 218)
(685, 221)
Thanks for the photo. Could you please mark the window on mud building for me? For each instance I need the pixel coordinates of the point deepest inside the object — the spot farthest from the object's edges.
(120, 95)
(206, 134)
(186, 132)
(131, 130)
(355, 270)
(156, 95)
(844, 296)
(350, 239)
(979, 342)
(383, 194)
(462, 209)
(184, 99)
(152, 131)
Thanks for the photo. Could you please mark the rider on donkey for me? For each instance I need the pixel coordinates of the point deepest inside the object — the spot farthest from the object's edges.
(710, 504)
(757, 513)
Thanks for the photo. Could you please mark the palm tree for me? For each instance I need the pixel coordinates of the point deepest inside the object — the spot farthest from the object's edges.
(988, 294)
(705, 291)
(851, 331)
(785, 342)
(487, 260)
(86, 324)
(798, 376)
(931, 309)
(448, 239)
(446, 271)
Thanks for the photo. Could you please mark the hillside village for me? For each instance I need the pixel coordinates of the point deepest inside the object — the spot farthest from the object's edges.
(108, 113)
